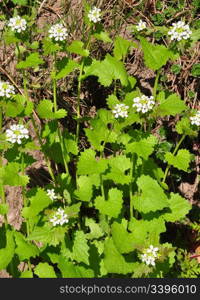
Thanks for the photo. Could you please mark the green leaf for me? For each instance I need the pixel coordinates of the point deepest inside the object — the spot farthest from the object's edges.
(40, 234)
(10, 175)
(7, 253)
(13, 108)
(107, 70)
(155, 56)
(70, 142)
(123, 240)
(113, 261)
(146, 232)
(179, 208)
(26, 274)
(49, 47)
(184, 127)
(38, 202)
(73, 210)
(100, 133)
(13, 155)
(171, 106)
(4, 209)
(88, 164)
(140, 270)
(102, 36)
(112, 100)
(47, 235)
(121, 47)
(111, 207)
(80, 248)
(132, 81)
(152, 197)
(118, 166)
(151, 168)
(44, 270)
(144, 147)
(67, 268)
(45, 108)
(20, 2)
(32, 61)
(95, 230)
(65, 66)
(85, 190)
(10, 37)
(18, 106)
(77, 47)
(196, 70)
(180, 161)
(24, 249)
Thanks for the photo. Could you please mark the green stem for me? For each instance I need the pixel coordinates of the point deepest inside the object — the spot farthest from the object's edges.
(79, 100)
(79, 90)
(156, 84)
(1, 118)
(25, 202)
(174, 153)
(63, 148)
(132, 170)
(41, 145)
(3, 197)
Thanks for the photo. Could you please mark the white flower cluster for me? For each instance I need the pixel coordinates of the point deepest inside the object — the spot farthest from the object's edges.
(16, 133)
(6, 89)
(180, 31)
(51, 194)
(59, 218)
(141, 25)
(120, 110)
(143, 103)
(195, 120)
(94, 15)
(58, 32)
(17, 24)
(150, 255)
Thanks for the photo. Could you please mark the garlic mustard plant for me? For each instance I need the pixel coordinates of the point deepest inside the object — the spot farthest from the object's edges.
(58, 32)
(17, 24)
(120, 110)
(179, 31)
(93, 139)
(143, 103)
(6, 89)
(150, 255)
(195, 120)
(51, 193)
(94, 15)
(59, 218)
(16, 133)
(141, 25)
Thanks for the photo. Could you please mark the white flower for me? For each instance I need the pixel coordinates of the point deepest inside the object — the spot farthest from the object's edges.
(195, 120)
(51, 194)
(143, 103)
(17, 24)
(120, 110)
(58, 32)
(94, 15)
(6, 89)
(16, 133)
(59, 218)
(179, 31)
(141, 25)
(149, 255)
